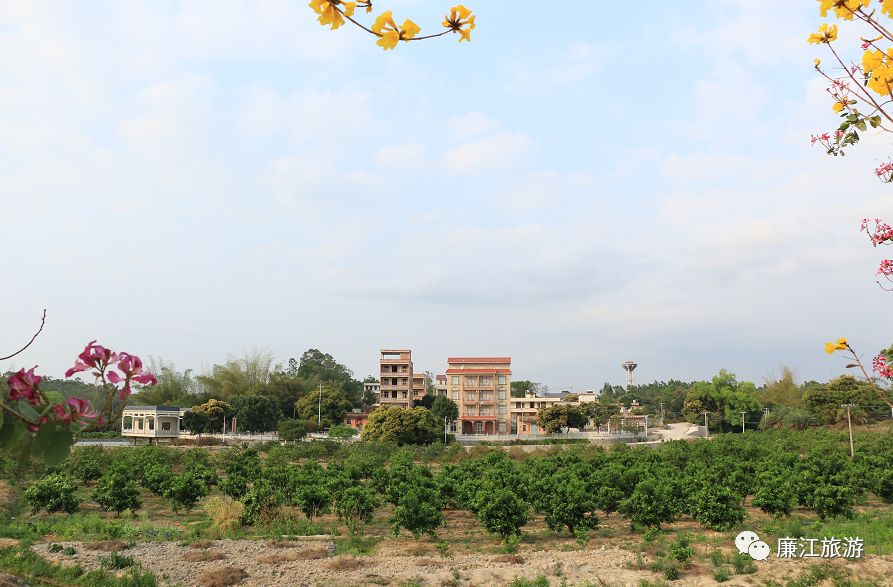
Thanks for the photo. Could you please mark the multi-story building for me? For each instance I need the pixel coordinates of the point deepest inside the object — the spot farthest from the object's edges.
(440, 385)
(373, 387)
(482, 388)
(524, 412)
(399, 386)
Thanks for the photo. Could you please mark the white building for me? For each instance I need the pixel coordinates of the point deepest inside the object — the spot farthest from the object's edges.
(152, 421)
(373, 387)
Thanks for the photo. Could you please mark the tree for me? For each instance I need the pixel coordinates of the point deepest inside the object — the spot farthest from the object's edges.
(157, 478)
(257, 413)
(332, 408)
(342, 431)
(173, 388)
(501, 511)
(717, 507)
(308, 490)
(261, 503)
(245, 376)
(569, 504)
(554, 418)
(650, 504)
(197, 422)
(723, 398)
(292, 430)
(774, 492)
(53, 493)
(419, 510)
(522, 386)
(184, 491)
(369, 397)
(117, 491)
(355, 506)
(402, 425)
(87, 463)
(601, 411)
(444, 408)
(286, 387)
(216, 411)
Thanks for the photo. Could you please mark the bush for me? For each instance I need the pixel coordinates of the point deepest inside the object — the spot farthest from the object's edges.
(342, 431)
(53, 493)
(717, 508)
(261, 503)
(681, 550)
(501, 511)
(184, 491)
(650, 504)
(833, 500)
(117, 492)
(116, 561)
(720, 574)
(540, 581)
(356, 506)
(419, 511)
(86, 463)
(291, 430)
(157, 478)
(743, 564)
(225, 513)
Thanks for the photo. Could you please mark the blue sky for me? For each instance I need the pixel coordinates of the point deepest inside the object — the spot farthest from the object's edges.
(188, 180)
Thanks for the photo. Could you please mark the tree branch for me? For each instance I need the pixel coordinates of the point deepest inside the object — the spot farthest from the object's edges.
(42, 322)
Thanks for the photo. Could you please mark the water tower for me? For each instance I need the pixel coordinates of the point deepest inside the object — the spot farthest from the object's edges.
(629, 367)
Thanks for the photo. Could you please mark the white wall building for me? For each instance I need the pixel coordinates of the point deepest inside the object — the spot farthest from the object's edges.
(152, 421)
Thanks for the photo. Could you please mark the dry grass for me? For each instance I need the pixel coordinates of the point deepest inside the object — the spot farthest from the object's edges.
(222, 577)
(512, 559)
(225, 512)
(7, 495)
(344, 564)
(8, 543)
(107, 545)
(279, 543)
(201, 544)
(202, 556)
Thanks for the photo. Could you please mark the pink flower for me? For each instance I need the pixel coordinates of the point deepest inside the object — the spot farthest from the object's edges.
(132, 367)
(75, 409)
(838, 133)
(23, 385)
(94, 357)
(882, 367)
(865, 45)
(886, 268)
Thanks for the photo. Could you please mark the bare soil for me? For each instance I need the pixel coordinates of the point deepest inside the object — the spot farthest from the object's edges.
(253, 563)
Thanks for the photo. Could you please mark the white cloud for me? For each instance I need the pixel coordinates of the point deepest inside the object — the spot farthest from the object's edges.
(573, 66)
(409, 158)
(495, 153)
(472, 124)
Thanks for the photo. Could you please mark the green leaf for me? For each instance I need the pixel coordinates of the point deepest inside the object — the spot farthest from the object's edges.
(861, 125)
(55, 397)
(52, 444)
(25, 409)
(851, 366)
(13, 435)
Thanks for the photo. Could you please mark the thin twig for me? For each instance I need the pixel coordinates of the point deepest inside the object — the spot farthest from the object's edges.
(42, 322)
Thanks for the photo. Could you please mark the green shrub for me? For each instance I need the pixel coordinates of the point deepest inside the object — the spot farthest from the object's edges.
(681, 550)
(540, 581)
(501, 511)
(53, 493)
(342, 431)
(117, 492)
(86, 463)
(717, 507)
(419, 511)
(743, 564)
(720, 574)
(184, 491)
(116, 561)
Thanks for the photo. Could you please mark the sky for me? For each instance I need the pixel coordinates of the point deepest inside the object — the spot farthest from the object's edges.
(189, 180)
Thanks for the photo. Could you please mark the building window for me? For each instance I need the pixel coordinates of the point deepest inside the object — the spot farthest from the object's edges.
(471, 380)
(128, 423)
(501, 409)
(151, 423)
(453, 426)
(138, 423)
(165, 425)
(478, 427)
(454, 379)
(485, 397)
(471, 397)
(485, 411)
(485, 382)
(500, 379)
(501, 394)
(456, 396)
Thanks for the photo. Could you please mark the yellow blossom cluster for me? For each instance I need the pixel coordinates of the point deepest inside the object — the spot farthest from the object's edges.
(879, 66)
(332, 13)
(840, 345)
(826, 34)
(842, 8)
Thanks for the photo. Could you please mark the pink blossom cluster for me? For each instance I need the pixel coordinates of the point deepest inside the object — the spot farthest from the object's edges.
(23, 385)
(101, 359)
(820, 138)
(886, 268)
(882, 233)
(885, 172)
(882, 367)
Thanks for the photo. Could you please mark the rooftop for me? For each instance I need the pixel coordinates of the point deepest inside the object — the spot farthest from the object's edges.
(479, 360)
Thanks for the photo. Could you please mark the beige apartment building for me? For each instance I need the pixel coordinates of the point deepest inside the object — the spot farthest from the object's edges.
(524, 412)
(440, 385)
(482, 388)
(399, 386)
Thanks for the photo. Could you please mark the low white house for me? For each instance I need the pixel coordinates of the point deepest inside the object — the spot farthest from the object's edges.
(152, 421)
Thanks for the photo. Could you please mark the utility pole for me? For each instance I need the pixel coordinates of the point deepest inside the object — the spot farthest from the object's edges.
(444, 429)
(319, 409)
(646, 427)
(742, 422)
(849, 423)
(662, 415)
(706, 427)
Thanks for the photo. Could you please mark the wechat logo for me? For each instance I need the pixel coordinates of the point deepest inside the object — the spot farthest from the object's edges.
(748, 542)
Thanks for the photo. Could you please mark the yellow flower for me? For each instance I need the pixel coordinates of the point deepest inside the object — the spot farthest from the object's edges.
(818, 62)
(840, 345)
(838, 106)
(460, 20)
(842, 8)
(826, 34)
(328, 12)
(880, 66)
(887, 7)
(389, 33)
